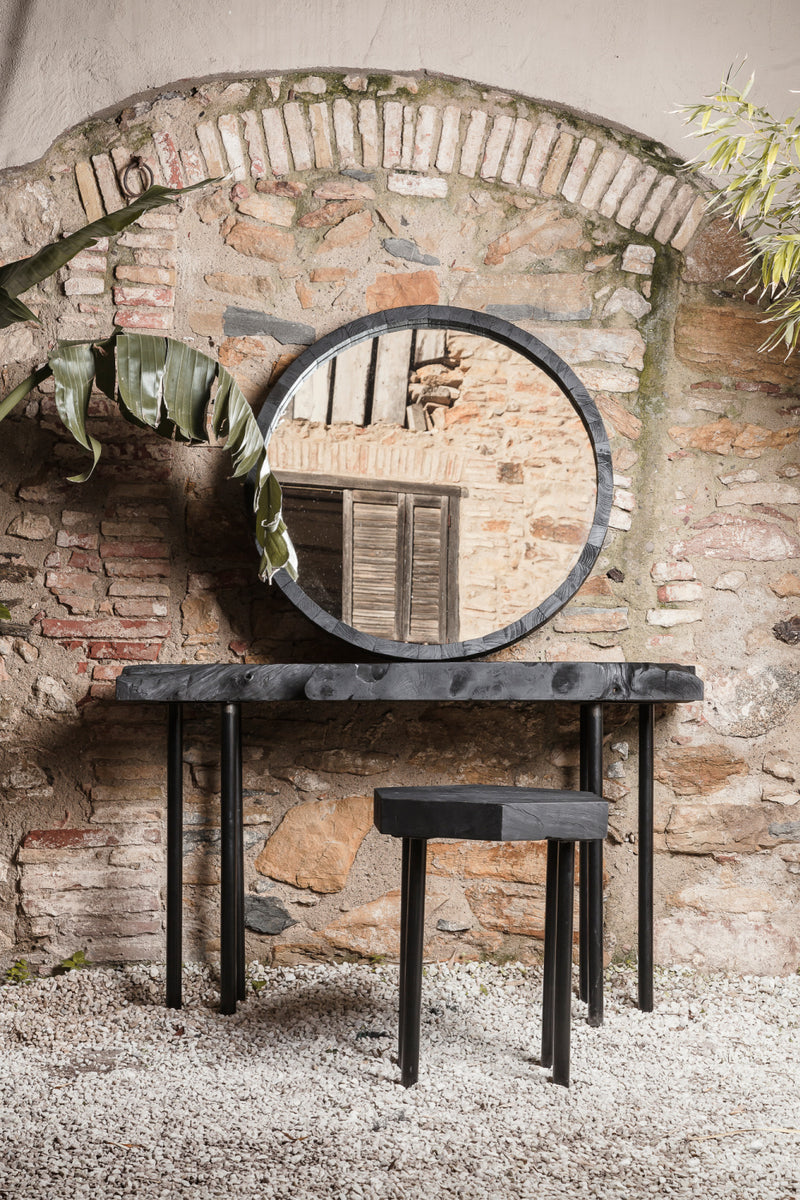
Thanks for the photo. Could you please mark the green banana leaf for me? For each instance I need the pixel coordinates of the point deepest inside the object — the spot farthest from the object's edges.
(17, 277)
(13, 310)
(233, 418)
(188, 377)
(21, 390)
(167, 386)
(141, 359)
(74, 370)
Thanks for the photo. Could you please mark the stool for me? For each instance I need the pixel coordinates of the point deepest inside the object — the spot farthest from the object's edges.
(497, 814)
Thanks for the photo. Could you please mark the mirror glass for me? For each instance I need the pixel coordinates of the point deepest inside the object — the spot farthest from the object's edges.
(438, 485)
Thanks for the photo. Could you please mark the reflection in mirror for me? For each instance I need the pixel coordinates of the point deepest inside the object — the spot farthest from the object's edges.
(437, 484)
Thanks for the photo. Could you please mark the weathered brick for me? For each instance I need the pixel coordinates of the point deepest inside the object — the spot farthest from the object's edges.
(76, 627)
(368, 128)
(100, 900)
(516, 150)
(321, 136)
(83, 541)
(133, 651)
(70, 581)
(151, 297)
(667, 617)
(448, 139)
(473, 140)
(132, 318)
(417, 185)
(89, 192)
(667, 572)
(158, 275)
(298, 137)
(126, 549)
(137, 568)
(140, 607)
(105, 672)
(579, 619)
(671, 593)
(169, 159)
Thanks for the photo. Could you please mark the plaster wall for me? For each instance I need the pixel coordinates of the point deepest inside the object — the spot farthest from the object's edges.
(629, 62)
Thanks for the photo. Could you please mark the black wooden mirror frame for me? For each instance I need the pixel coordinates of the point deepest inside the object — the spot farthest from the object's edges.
(483, 325)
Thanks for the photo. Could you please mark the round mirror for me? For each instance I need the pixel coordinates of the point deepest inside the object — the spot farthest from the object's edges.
(447, 481)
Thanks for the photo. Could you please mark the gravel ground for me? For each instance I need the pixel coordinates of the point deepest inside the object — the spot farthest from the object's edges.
(105, 1093)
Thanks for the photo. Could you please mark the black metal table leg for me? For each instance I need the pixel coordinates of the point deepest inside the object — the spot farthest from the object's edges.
(583, 868)
(594, 881)
(550, 913)
(231, 767)
(240, 955)
(174, 854)
(404, 883)
(562, 990)
(417, 853)
(645, 958)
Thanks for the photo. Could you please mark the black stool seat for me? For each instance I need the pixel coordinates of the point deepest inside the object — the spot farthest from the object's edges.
(496, 814)
(490, 814)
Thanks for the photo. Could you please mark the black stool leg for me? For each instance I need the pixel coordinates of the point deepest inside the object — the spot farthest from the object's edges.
(563, 966)
(594, 872)
(646, 729)
(411, 966)
(174, 854)
(230, 773)
(401, 1032)
(548, 996)
(239, 833)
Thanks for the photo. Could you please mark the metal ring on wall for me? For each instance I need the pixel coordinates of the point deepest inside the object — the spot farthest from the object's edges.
(145, 177)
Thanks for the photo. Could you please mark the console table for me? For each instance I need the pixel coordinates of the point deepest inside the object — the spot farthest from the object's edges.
(590, 685)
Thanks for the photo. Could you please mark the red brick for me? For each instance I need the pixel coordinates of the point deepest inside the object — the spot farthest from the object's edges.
(137, 568)
(47, 839)
(76, 627)
(85, 560)
(151, 297)
(83, 541)
(102, 691)
(119, 549)
(71, 581)
(123, 587)
(133, 651)
(140, 608)
(131, 529)
(105, 671)
(132, 318)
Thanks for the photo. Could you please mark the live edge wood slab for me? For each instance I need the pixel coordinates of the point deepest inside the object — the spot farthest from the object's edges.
(637, 683)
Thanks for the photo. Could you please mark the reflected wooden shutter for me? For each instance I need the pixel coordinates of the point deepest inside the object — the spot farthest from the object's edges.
(427, 594)
(372, 534)
(400, 569)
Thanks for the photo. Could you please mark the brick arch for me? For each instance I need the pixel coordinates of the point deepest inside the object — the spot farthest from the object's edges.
(419, 137)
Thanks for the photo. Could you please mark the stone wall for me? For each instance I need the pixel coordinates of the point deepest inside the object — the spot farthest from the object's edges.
(346, 195)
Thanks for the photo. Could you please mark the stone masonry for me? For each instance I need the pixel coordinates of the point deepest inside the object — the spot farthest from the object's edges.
(337, 196)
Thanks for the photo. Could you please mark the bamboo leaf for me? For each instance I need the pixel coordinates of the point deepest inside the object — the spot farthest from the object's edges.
(187, 389)
(21, 390)
(141, 359)
(73, 370)
(13, 310)
(233, 417)
(18, 276)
